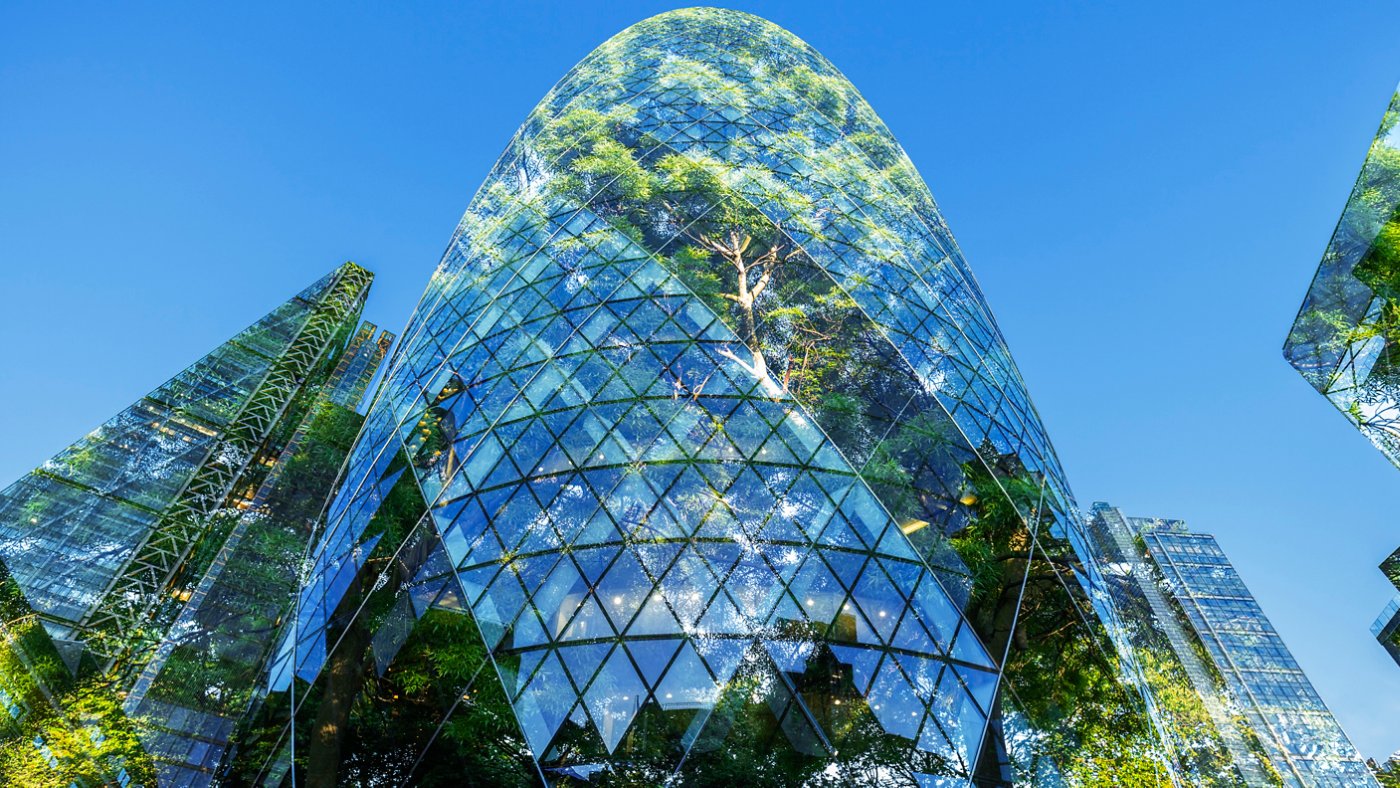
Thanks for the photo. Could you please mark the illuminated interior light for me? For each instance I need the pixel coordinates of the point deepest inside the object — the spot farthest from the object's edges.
(910, 526)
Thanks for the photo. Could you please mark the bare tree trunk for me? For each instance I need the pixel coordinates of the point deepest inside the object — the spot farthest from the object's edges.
(746, 294)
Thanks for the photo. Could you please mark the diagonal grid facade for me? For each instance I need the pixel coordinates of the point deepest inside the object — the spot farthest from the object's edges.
(706, 431)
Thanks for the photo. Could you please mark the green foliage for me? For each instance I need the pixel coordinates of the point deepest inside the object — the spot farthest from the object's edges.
(215, 670)
(1183, 712)
(1366, 248)
(305, 483)
(828, 94)
(611, 170)
(1060, 673)
(441, 688)
(696, 212)
(817, 343)
(580, 129)
(1387, 775)
(87, 743)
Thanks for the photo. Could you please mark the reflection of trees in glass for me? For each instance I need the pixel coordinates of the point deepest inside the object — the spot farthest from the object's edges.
(89, 742)
(807, 335)
(1388, 775)
(214, 668)
(1197, 744)
(348, 666)
(364, 728)
(756, 732)
(1060, 675)
(437, 717)
(801, 330)
(1354, 302)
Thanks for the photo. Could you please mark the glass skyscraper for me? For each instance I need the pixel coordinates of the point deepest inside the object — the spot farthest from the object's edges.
(1346, 339)
(146, 566)
(1307, 743)
(1278, 729)
(1198, 718)
(703, 456)
(1387, 625)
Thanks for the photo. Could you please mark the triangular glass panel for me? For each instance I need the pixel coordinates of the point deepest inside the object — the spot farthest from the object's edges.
(723, 618)
(653, 657)
(894, 702)
(959, 717)
(838, 533)
(790, 656)
(687, 685)
(589, 623)
(623, 589)
(542, 707)
(595, 561)
(721, 654)
(527, 630)
(817, 591)
(656, 558)
(615, 697)
(583, 661)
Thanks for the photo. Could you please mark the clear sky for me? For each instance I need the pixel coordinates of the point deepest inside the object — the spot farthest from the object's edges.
(1144, 191)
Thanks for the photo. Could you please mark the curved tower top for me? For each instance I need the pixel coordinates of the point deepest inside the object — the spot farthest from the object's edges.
(705, 428)
(778, 117)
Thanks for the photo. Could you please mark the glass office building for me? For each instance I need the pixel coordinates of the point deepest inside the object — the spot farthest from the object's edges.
(702, 457)
(146, 565)
(1266, 687)
(1346, 337)
(1386, 629)
(1194, 621)
(1199, 719)
(1344, 340)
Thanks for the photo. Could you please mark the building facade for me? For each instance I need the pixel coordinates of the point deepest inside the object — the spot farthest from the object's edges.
(1343, 340)
(1278, 728)
(1199, 721)
(703, 458)
(1386, 628)
(1346, 338)
(147, 564)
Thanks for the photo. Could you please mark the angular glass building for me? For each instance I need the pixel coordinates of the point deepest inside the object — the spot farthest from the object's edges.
(147, 565)
(1387, 625)
(1386, 629)
(1304, 741)
(703, 459)
(1271, 725)
(1199, 717)
(1346, 339)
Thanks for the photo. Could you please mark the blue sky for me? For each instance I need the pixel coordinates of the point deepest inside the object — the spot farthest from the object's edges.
(1144, 191)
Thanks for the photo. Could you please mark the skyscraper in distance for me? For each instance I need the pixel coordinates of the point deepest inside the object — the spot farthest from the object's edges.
(1277, 729)
(1197, 715)
(702, 458)
(1307, 745)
